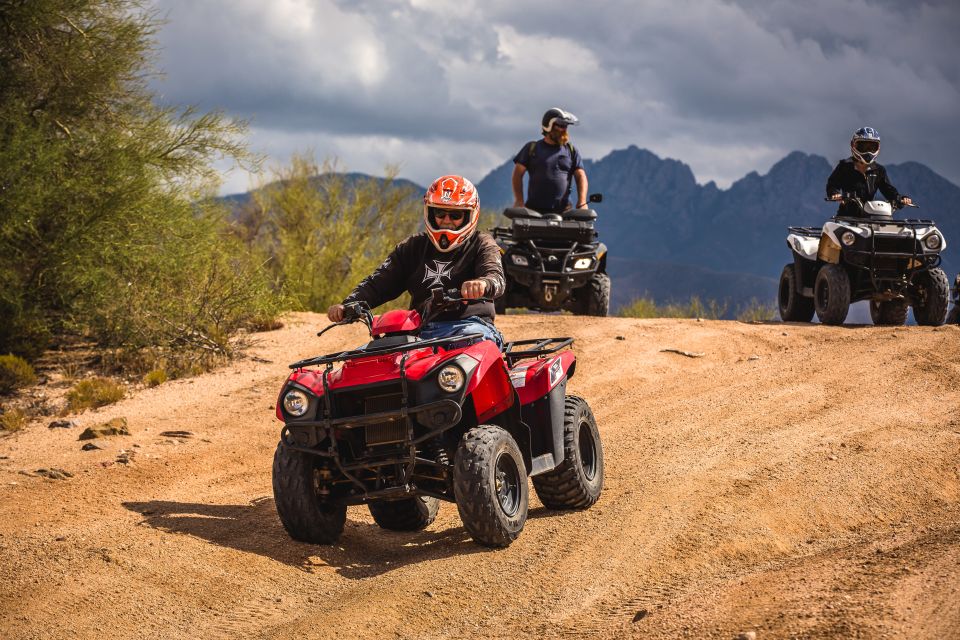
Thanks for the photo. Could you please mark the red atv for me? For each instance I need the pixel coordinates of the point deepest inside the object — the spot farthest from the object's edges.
(404, 422)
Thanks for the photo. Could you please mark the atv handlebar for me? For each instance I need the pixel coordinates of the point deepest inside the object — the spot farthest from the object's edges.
(850, 197)
(352, 312)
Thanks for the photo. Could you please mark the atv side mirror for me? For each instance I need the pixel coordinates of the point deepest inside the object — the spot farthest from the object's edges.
(595, 197)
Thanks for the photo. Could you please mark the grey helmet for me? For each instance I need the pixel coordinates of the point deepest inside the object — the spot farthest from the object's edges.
(865, 144)
(556, 115)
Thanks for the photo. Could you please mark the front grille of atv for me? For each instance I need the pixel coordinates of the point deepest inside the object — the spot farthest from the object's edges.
(369, 400)
(388, 431)
(888, 244)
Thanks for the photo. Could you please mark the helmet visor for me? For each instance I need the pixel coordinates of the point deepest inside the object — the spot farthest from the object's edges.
(456, 216)
(866, 146)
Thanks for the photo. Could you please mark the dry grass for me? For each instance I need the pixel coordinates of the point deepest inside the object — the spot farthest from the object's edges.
(92, 393)
(13, 420)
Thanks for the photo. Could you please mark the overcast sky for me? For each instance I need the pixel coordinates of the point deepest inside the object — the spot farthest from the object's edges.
(457, 86)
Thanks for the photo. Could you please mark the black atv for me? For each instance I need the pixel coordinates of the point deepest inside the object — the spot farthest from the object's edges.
(869, 256)
(554, 262)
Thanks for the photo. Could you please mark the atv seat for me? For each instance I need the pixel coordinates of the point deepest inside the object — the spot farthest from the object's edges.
(581, 215)
(520, 212)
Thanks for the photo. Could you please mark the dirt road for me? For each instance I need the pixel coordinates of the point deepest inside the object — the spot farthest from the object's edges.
(796, 481)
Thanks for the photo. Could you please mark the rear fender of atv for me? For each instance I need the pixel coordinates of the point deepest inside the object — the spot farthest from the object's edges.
(542, 391)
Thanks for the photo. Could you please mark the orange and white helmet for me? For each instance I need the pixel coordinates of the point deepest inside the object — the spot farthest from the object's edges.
(451, 194)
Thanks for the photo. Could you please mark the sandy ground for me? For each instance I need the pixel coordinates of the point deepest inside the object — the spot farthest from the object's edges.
(796, 481)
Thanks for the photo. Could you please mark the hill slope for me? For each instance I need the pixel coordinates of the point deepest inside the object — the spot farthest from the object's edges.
(797, 481)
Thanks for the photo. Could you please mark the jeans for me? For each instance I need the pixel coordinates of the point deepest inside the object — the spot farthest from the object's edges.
(453, 328)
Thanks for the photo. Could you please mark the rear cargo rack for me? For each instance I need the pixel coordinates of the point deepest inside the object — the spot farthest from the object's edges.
(356, 354)
(540, 347)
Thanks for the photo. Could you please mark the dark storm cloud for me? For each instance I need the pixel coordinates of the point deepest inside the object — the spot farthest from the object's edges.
(727, 87)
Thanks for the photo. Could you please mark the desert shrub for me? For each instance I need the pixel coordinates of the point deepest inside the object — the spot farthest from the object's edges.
(15, 372)
(13, 420)
(756, 311)
(155, 378)
(101, 234)
(92, 393)
(645, 307)
(319, 231)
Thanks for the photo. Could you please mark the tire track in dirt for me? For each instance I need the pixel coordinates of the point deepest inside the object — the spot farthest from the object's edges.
(720, 470)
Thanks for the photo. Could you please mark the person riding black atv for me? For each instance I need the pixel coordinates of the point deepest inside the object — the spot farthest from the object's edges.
(554, 261)
(866, 256)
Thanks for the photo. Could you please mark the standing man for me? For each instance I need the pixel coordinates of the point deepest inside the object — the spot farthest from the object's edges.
(553, 164)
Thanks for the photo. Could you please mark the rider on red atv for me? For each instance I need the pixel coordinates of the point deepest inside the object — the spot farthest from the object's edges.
(450, 253)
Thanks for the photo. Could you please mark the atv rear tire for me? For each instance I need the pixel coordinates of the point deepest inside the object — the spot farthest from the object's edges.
(304, 515)
(409, 514)
(595, 296)
(933, 297)
(889, 312)
(490, 485)
(831, 294)
(793, 306)
(576, 483)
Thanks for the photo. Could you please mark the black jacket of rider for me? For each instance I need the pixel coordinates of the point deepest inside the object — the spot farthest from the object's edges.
(416, 266)
(847, 180)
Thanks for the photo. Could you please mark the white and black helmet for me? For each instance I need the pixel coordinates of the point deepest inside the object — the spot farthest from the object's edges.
(865, 144)
(556, 115)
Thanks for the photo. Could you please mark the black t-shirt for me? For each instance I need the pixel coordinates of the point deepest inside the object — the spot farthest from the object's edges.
(550, 168)
(846, 179)
(416, 266)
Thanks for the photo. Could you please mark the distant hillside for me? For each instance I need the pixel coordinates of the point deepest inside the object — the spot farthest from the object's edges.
(654, 212)
(240, 199)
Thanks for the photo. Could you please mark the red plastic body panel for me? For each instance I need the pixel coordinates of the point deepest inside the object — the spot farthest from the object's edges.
(541, 375)
(396, 321)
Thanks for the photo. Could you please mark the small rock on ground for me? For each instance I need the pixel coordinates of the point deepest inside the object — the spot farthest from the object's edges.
(116, 427)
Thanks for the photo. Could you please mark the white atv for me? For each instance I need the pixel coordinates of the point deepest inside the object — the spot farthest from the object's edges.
(892, 263)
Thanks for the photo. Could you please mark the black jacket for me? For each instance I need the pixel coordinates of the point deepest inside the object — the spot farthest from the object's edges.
(847, 180)
(416, 266)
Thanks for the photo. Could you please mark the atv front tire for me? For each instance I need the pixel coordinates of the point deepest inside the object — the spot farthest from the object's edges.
(889, 312)
(595, 296)
(793, 306)
(576, 482)
(490, 485)
(933, 297)
(304, 514)
(831, 294)
(409, 514)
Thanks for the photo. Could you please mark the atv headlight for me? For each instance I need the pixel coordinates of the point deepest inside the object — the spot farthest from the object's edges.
(450, 378)
(848, 238)
(520, 261)
(296, 402)
(582, 263)
(933, 241)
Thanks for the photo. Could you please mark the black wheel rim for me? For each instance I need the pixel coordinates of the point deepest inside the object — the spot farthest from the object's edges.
(588, 450)
(507, 483)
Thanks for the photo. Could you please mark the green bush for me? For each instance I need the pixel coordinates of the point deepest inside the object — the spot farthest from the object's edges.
(12, 420)
(92, 393)
(319, 232)
(101, 233)
(15, 372)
